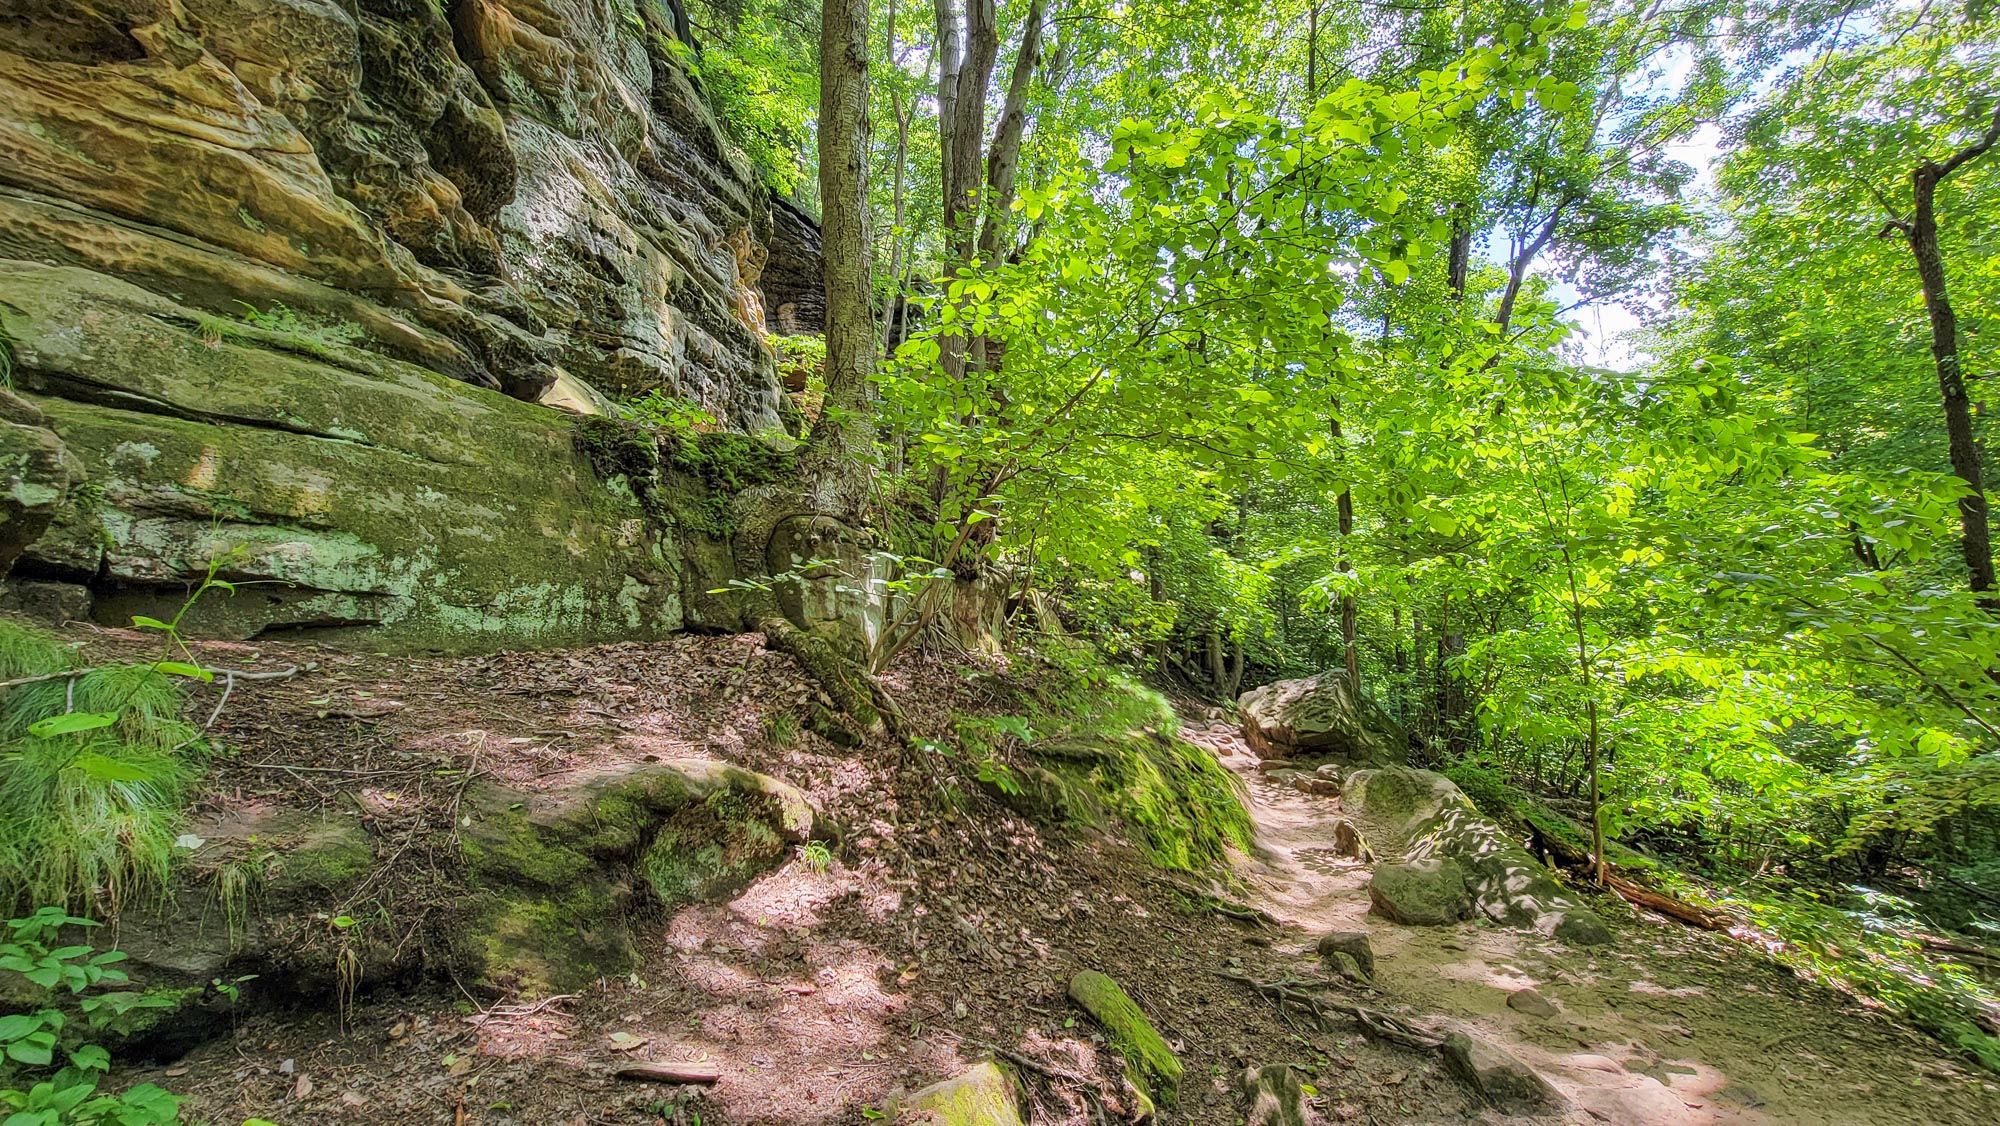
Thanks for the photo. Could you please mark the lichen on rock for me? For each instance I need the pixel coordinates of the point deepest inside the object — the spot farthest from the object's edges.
(985, 1094)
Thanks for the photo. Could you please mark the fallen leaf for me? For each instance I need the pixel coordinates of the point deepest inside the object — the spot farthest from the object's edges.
(302, 1089)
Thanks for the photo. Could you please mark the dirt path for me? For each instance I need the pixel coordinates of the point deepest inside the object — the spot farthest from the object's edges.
(1666, 1027)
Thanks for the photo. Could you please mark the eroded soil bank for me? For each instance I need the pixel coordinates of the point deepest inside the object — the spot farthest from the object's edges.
(936, 925)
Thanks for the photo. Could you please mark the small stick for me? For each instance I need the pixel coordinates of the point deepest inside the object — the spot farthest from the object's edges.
(670, 1072)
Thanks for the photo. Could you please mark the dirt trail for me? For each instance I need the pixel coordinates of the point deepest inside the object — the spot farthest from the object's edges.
(1665, 1027)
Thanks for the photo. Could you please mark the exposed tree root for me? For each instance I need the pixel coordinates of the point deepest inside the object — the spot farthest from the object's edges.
(1376, 1024)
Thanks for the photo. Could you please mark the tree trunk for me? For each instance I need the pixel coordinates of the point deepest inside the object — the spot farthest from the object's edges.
(1921, 234)
(1344, 504)
(1004, 160)
(842, 444)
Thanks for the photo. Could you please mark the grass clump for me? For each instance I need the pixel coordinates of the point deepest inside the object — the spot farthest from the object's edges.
(88, 817)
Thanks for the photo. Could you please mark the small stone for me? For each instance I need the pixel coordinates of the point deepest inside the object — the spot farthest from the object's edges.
(1531, 1003)
(1355, 945)
(1497, 1077)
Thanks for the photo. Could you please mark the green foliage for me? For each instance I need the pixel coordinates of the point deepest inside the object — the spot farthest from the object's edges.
(758, 68)
(657, 408)
(91, 811)
(97, 765)
(33, 1085)
(315, 336)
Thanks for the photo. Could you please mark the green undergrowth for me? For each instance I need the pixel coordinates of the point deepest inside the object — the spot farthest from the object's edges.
(1860, 941)
(1526, 816)
(1092, 748)
(1866, 943)
(88, 817)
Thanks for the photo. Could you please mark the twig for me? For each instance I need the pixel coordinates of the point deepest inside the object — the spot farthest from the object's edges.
(327, 769)
(76, 674)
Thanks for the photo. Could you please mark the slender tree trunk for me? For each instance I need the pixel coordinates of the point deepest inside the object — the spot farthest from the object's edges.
(843, 439)
(1344, 505)
(1517, 270)
(896, 231)
(1004, 159)
(1458, 267)
(1921, 234)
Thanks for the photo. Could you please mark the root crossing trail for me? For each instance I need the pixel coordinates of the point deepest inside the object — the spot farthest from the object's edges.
(1667, 1026)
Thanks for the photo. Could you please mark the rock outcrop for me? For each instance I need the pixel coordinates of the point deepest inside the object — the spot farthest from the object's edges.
(794, 275)
(535, 892)
(1319, 715)
(297, 278)
(1451, 850)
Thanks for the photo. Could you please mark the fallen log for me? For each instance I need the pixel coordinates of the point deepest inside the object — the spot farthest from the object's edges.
(1667, 905)
(670, 1071)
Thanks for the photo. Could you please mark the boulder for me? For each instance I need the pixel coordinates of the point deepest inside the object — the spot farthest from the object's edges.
(1496, 1076)
(1275, 1096)
(1319, 715)
(1428, 816)
(1150, 1064)
(984, 1095)
(1531, 1003)
(1425, 893)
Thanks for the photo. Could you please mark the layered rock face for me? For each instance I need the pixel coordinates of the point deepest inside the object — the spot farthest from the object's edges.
(295, 279)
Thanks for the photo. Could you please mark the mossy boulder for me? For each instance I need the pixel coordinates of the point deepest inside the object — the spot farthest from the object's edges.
(1151, 1064)
(984, 1095)
(555, 880)
(1172, 798)
(1420, 893)
(1440, 831)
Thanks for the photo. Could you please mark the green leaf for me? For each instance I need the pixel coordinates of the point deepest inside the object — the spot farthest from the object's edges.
(144, 622)
(182, 668)
(70, 723)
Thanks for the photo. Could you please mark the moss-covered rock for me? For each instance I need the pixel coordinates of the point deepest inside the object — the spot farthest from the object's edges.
(1110, 758)
(984, 1095)
(1432, 821)
(1420, 893)
(554, 880)
(1151, 1064)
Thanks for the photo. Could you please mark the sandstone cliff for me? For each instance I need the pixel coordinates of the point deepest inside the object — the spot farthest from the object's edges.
(308, 280)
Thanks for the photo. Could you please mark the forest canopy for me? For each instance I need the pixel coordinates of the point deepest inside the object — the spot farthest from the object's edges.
(1273, 340)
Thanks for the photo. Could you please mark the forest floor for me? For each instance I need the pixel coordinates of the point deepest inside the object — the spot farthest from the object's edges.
(947, 925)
